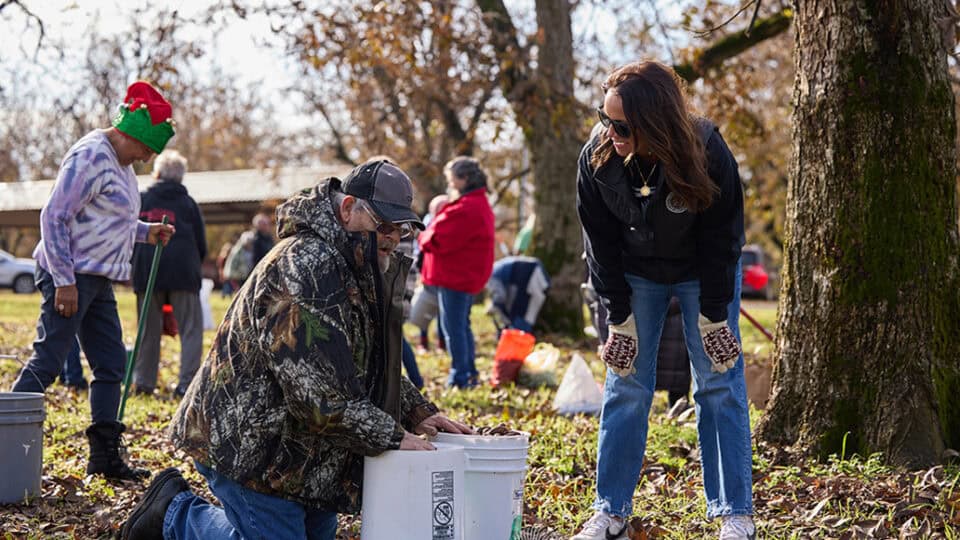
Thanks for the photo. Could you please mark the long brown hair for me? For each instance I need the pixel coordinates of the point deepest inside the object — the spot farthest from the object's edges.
(656, 109)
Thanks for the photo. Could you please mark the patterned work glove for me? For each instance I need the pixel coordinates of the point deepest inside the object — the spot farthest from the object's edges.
(719, 343)
(620, 350)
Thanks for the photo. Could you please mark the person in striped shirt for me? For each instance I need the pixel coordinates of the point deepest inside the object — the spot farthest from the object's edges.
(87, 230)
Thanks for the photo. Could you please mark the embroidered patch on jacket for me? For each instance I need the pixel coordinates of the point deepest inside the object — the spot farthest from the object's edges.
(675, 204)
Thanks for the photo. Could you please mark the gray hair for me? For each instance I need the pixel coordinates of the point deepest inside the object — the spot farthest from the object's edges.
(467, 169)
(170, 166)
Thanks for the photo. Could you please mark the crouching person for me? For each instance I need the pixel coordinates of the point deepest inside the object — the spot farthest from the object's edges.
(303, 379)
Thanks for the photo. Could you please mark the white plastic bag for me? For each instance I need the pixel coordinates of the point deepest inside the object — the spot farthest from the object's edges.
(578, 392)
(540, 367)
(206, 286)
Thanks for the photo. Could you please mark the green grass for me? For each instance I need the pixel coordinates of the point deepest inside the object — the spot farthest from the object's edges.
(793, 497)
(755, 344)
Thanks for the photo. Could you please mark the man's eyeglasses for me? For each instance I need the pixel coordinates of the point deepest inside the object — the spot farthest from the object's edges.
(385, 228)
(620, 127)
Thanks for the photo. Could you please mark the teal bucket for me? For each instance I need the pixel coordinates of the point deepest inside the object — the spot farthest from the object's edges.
(21, 445)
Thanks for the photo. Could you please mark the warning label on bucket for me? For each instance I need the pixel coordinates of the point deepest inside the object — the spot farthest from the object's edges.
(442, 488)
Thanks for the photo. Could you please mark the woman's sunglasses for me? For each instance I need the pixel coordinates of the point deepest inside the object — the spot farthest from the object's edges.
(620, 127)
(386, 228)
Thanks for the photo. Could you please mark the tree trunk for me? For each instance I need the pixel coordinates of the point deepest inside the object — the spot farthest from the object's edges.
(546, 110)
(554, 146)
(867, 339)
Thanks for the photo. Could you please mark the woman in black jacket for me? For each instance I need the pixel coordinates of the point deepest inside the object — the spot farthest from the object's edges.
(660, 201)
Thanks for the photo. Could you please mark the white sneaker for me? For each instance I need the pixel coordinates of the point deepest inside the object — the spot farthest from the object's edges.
(738, 528)
(603, 526)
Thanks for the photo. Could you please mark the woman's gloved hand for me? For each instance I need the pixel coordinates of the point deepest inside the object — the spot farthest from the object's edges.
(719, 343)
(620, 350)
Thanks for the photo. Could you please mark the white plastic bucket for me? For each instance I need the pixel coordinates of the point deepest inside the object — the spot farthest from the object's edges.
(21, 445)
(414, 495)
(496, 466)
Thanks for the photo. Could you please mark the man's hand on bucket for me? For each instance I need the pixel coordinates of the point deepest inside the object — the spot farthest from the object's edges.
(414, 442)
(438, 422)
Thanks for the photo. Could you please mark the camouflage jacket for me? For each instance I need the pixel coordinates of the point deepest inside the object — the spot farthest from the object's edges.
(294, 391)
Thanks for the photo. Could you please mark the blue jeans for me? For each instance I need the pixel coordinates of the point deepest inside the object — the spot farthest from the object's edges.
(519, 323)
(246, 515)
(455, 322)
(98, 326)
(72, 369)
(410, 364)
(723, 420)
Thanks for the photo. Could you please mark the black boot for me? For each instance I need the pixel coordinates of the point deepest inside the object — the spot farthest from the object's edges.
(146, 519)
(105, 456)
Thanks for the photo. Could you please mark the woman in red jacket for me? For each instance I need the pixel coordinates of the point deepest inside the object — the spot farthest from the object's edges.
(458, 259)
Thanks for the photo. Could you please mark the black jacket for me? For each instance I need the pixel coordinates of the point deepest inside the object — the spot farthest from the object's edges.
(673, 361)
(262, 243)
(667, 243)
(181, 258)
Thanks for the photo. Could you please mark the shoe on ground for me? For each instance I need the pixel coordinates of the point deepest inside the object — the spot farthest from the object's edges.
(107, 452)
(603, 526)
(678, 407)
(738, 528)
(146, 519)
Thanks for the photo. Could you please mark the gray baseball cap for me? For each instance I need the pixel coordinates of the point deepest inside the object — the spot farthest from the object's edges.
(386, 188)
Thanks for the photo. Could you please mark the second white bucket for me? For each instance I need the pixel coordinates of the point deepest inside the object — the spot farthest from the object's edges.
(493, 483)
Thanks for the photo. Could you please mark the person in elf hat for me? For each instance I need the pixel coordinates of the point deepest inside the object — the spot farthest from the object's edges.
(87, 230)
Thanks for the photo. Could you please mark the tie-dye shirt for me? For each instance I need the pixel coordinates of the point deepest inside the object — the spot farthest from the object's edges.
(89, 224)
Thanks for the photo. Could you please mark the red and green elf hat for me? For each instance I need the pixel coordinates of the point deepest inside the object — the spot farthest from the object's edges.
(145, 116)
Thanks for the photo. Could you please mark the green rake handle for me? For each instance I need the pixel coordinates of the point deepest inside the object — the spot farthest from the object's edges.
(144, 309)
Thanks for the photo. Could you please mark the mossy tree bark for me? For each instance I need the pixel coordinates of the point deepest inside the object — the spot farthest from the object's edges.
(868, 347)
(541, 95)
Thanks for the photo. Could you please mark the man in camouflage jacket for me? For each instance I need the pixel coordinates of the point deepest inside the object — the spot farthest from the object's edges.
(303, 378)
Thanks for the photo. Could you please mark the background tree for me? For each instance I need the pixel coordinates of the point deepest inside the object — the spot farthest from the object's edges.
(867, 342)
(539, 84)
(411, 80)
(72, 87)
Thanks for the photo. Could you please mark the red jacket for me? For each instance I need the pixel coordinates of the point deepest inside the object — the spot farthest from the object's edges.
(458, 245)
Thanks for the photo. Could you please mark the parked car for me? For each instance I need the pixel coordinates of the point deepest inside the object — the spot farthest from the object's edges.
(16, 273)
(757, 276)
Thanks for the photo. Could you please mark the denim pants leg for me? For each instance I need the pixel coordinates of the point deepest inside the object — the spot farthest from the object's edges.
(98, 326)
(72, 369)
(723, 417)
(410, 363)
(56, 336)
(626, 404)
(520, 323)
(455, 322)
(245, 515)
(101, 337)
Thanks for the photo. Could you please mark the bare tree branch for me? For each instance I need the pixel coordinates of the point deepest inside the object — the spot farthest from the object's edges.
(663, 30)
(708, 31)
(514, 82)
(503, 184)
(31, 15)
(732, 45)
(753, 20)
(338, 146)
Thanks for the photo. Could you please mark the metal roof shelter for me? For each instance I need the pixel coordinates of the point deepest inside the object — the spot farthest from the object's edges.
(223, 196)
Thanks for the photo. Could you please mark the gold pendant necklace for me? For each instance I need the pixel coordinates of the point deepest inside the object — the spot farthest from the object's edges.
(645, 190)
